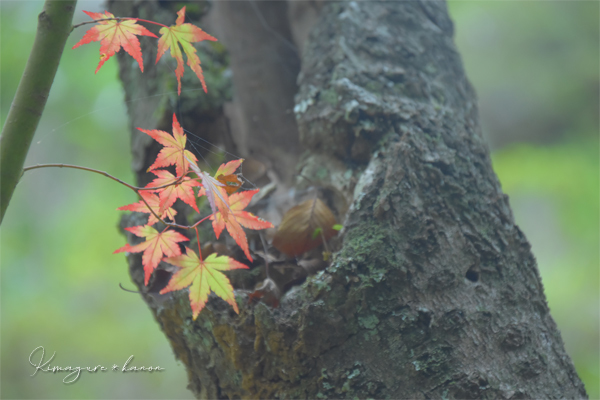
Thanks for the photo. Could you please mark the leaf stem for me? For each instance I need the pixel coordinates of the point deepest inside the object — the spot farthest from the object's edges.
(198, 240)
(150, 22)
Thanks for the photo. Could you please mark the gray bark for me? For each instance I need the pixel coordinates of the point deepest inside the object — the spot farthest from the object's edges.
(265, 65)
(434, 291)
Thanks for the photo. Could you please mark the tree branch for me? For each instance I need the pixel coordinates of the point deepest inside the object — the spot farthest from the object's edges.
(95, 21)
(54, 26)
(134, 188)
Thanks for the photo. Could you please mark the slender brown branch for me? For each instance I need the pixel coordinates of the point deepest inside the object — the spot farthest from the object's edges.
(114, 19)
(96, 21)
(202, 220)
(175, 182)
(128, 290)
(152, 211)
(81, 168)
(103, 173)
(134, 188)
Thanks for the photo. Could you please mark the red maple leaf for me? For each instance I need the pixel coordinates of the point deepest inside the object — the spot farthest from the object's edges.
(237, 217)
(157, 245)
(174, 152)
(154, 203)
(168, 195)
(203, 276)
(113, 35)
(184, 35)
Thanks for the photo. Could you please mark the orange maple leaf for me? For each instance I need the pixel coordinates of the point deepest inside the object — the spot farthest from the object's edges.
(113, 35)
(304, 227)
(168, 195)
(184, 35)
(157, 245)
(237, 217)
(174, 152)
(154, 203)
(203, 276)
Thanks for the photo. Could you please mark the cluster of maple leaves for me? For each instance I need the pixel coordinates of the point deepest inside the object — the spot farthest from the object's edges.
(227, 208)
(114, 33)
(227, 205)
(303, 227)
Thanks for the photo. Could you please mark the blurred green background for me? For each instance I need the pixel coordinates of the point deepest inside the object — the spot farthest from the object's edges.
(535, 68)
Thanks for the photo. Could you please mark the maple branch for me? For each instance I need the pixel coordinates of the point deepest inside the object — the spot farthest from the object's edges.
(54, 24)
(134, 188)
(96, 171)
(114, 19)
(130, 291)
(150, 22)
(202, 220)
(175, 182)
(154, 213)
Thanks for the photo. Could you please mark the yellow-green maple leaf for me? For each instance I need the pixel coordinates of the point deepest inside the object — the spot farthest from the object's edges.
(184, 35)
(203, 276)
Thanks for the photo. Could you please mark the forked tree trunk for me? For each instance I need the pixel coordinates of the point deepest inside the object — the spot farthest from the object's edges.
(435, 292)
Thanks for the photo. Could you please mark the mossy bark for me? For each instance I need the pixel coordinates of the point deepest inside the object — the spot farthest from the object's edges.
(435, 292)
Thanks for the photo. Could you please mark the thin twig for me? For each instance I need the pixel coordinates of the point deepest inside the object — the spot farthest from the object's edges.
(134, 188)
(202, 220)
(114, 19)
(102, 173)
(130, 291)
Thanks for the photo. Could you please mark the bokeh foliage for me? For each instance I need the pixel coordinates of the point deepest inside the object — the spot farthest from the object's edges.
(535, 68)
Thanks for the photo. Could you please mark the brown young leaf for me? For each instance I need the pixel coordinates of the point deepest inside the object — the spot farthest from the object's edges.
(304, 227)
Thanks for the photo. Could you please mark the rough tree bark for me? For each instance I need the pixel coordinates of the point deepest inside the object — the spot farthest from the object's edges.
(434, 292)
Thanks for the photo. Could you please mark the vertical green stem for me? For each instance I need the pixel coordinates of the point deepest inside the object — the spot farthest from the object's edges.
(54, 26)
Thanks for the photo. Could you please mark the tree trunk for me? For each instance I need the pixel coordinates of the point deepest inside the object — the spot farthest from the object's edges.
(434, 291)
